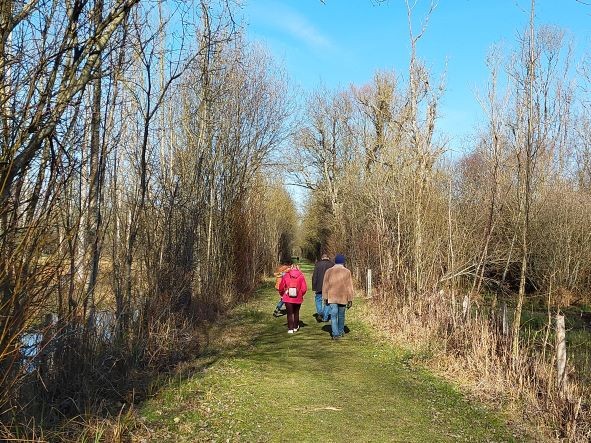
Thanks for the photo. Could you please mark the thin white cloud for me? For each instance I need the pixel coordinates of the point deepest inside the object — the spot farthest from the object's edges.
(299, 27)
(294, 24)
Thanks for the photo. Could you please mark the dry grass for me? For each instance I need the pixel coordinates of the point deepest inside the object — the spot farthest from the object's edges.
(89, 392)
(476, 355)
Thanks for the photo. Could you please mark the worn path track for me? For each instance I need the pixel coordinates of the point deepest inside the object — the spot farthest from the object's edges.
(258, 383)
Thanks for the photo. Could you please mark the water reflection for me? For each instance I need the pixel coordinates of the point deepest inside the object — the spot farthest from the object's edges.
(30, 349)
(32, 342)
(104, 324)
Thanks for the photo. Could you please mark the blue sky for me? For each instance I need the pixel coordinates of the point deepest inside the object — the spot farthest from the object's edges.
(343, 42)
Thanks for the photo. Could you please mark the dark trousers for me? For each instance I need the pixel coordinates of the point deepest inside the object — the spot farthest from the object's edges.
(293, 315)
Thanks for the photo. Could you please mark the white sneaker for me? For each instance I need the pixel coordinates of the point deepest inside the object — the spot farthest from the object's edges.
(296, 329)
(290, 331)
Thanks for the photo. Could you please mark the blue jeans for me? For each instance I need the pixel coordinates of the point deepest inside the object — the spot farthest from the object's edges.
(337, 319)
(325, 312)
(319, 304)
(279, 305)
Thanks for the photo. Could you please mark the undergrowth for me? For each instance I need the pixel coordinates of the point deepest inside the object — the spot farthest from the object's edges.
(475, 353)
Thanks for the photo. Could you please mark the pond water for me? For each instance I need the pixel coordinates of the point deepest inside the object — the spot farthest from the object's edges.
(104, 323)
(31, 341)
(30, 348)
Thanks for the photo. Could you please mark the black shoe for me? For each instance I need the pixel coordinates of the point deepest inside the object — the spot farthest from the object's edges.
(276, 313)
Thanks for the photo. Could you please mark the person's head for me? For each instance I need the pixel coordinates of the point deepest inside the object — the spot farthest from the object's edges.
(324, 257)
(339, 259)
(292, 264)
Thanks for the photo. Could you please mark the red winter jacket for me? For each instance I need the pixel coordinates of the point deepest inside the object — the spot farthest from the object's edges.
(298, 280)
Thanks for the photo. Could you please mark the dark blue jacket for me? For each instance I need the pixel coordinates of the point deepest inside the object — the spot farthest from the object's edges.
(318, 276)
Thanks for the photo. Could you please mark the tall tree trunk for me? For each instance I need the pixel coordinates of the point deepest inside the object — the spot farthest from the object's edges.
(93, 224)
(526, 187)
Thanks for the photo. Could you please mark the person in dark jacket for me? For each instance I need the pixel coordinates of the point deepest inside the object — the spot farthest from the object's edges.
(320, 268)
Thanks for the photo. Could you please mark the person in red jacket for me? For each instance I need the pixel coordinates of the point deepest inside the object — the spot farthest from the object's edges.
(281, 270)
(292, 289)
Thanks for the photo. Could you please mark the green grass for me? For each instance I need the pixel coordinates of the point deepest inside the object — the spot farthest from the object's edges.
(258, 383)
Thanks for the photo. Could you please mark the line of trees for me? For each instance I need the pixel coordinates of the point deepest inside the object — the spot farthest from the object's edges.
(506, 219)
(136, 143)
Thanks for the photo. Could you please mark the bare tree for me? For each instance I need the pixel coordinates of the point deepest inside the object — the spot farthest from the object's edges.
(44, 73)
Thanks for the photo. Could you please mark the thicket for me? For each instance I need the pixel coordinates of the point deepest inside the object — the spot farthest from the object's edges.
(135, 198)
(460, 244)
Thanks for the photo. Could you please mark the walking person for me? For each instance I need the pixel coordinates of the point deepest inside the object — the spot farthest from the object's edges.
(292, 289)
(337, 292)
(281, 270)
(320, 269)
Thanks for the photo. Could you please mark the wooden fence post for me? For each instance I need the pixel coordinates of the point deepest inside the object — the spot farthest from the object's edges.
(465, 307)
(454, 308)
(369, 283)
(504, 319)
(560, 353)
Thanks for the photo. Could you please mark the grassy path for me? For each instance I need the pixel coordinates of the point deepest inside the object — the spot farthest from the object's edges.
(258, 383)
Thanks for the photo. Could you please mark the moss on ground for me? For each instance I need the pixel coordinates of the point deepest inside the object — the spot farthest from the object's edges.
(258, 383)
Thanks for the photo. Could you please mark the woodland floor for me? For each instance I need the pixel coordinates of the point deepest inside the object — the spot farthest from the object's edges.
(258, 383)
